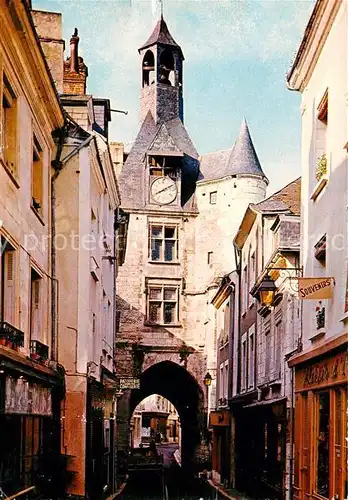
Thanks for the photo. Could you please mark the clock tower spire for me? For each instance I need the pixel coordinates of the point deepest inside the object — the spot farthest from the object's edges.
(161, 76)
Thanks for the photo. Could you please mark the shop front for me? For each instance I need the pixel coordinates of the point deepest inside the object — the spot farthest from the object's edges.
(221, 454)
(29, 423)
(320, 461)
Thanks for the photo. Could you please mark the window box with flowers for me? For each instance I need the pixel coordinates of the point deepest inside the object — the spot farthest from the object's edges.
(321, 175)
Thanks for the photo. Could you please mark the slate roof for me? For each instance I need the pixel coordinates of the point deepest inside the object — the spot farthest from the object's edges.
(241, 159)
(214, 165)
(132, 180)
(287, 199)
(160, 35)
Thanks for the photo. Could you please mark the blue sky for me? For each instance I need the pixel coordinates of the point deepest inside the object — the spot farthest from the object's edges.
(236, 53)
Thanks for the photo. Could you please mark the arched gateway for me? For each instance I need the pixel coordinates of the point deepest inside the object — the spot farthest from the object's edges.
(174, 382)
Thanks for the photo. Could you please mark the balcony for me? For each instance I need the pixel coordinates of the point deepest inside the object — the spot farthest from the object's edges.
(38, 351)
(10, 336)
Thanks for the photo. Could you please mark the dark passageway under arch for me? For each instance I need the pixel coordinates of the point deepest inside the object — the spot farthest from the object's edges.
(177, 385)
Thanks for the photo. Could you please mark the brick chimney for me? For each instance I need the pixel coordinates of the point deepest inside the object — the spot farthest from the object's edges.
(75, 70)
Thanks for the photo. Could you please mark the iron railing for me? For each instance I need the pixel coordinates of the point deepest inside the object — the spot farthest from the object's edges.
(10, 335)
(38, 350)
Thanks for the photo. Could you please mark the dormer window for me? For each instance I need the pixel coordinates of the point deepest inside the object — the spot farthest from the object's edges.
(161, 166)
(164, 177)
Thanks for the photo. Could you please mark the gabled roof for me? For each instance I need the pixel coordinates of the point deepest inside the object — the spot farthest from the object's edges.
(243, 158)
(160, 35)
(286, 201)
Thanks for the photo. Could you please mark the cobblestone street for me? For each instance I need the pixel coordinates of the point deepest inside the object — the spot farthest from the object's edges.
(171, 484)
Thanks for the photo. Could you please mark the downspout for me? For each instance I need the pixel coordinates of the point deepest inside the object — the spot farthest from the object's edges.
(114, 324)
(292, 437)
(57, 166)
(231, 340)
(238, 256)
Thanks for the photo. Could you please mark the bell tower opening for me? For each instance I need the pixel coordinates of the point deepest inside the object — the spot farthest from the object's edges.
(148, 69)
(166, 68)
(162, 60)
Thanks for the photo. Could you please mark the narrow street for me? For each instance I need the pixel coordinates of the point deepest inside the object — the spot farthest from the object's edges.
(171, 484)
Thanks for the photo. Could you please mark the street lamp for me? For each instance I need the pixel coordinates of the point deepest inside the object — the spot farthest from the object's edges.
(207, 379)
(266, 291)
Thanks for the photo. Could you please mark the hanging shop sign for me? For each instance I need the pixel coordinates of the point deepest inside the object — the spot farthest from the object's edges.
(219, 418)
(25, 398)
(129, 383)
(315, 288)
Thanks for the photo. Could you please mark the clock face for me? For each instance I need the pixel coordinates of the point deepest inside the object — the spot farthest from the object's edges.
(163, 190)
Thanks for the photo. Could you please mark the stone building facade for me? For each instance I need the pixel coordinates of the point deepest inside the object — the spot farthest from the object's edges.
(180, 211)
(85, 200)
(268, 247)
(30, 380)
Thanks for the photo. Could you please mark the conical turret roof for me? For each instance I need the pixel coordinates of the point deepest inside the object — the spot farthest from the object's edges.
(243, 158)
(160, 35)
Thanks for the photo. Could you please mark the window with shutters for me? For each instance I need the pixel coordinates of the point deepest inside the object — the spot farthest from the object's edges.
(36, 307)
(163, 302)
(251, 356)
(7, 282)
(37, 177)
(277, 348)
(9, 129)
(244, 367)
(267, 355)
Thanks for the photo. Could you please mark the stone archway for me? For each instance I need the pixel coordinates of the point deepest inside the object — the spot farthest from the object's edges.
(176, 384)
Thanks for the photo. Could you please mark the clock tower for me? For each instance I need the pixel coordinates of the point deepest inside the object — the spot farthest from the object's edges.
(162, 168)
(179, 216)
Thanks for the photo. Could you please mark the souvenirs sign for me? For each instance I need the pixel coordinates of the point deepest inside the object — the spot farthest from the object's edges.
(315, 288)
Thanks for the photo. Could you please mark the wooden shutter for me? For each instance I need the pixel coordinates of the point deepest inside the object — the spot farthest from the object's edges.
(36, 309)
(9, 287)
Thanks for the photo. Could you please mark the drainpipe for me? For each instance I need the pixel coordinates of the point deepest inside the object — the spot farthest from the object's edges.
(238, 256)
(114, 454)
(292, 437)
(231, 339)
(57, 166)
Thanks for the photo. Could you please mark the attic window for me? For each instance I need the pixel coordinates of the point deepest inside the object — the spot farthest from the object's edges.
(320, 250)
(163, 165)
